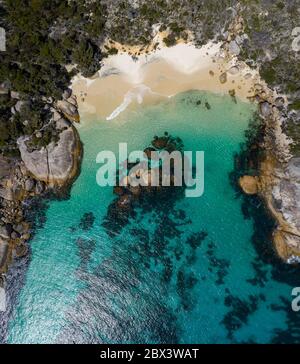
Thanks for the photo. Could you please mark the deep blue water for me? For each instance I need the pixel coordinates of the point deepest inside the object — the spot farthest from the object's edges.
(184, 270)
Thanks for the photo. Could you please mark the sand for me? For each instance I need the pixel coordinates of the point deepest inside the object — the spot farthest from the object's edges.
(124, 81)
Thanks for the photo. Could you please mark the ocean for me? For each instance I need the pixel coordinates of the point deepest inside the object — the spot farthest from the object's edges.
(181, 270)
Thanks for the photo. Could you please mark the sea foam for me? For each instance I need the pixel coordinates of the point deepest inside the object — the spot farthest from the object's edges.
(136, 94)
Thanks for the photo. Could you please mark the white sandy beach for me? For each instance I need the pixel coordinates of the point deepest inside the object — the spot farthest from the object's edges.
(124, 81)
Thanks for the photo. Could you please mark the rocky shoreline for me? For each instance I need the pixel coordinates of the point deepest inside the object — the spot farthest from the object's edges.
(51, 168)
(278, 181)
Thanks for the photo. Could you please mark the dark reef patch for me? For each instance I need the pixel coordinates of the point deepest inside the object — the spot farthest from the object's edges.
(85, 250)
(260, 279)
(87, 221)
(240, 310)
(291, 335)
(218, 265)
(186, 281)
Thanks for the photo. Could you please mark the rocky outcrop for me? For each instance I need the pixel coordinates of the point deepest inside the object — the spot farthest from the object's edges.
(55, 165)
(69, 107)
(280, 179)
(11, 179)
(16, 185)
(284, 202)
(58, 163)
(249, 184)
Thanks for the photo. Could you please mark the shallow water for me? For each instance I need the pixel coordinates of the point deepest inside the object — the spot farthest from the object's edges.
(185, 270)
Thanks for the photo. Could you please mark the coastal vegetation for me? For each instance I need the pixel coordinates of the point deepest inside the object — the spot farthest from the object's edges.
(43, 37)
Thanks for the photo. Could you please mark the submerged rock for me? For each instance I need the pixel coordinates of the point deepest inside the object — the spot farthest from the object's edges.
(118, 190)
(148, 151)
(295, 32)
(135, 190)
(234, 70)
(125, 201)
(249, 184)
(39, 188)
(160, 143)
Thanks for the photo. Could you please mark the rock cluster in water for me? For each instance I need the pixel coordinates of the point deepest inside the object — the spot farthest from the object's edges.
(130, 195)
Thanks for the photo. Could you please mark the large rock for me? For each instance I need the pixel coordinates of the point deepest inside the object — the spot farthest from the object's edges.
(265, 109)
(296, 44)
(249, 184)
(29, 184)
(58, 163)
(288, 195)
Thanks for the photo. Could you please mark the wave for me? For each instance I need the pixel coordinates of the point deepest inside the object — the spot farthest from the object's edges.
(136, 94)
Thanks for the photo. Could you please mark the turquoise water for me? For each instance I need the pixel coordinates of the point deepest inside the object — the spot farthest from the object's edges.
(185, 271)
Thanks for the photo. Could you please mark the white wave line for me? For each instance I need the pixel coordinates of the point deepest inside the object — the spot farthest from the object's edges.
(137, 93)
